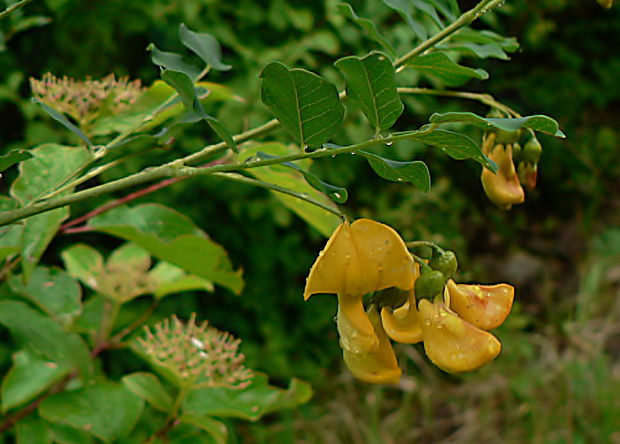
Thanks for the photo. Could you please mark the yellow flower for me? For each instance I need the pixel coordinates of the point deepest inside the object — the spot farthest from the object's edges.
(453, 344)
(404, 324)
(377, 365)
(502, 188)
(485, 306)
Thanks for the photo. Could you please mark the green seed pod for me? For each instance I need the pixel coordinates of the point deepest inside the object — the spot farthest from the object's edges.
(429, 284)
(445, 262)
(531, 151)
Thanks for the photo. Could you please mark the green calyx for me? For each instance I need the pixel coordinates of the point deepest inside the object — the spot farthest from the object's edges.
(444, 261)
(429, 284)
(506, 137)
(390, 297)
(531, 151)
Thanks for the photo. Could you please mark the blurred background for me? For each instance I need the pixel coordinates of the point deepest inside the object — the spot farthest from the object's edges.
(557, 379)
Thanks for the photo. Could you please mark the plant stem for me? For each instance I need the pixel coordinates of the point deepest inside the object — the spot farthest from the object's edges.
(13, 7)
(465, 19)
(487, 99)
(259, 183)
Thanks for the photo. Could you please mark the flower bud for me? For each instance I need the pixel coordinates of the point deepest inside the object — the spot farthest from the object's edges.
(429, 284)
(444, 261)
(528, 175)
(531, 151)
(502, 188)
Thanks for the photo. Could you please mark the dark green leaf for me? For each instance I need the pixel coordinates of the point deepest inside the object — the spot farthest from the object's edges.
(12, 158)
(60, 118)
(416, 172)
(307, 106)
(173, 61)
(185, 88)
(148, 387)
(44, 337)
(371, 81)
(29, 377)
(541, 123)
(456, 145)
(32, 430)
(38, 232)
(324, 221)
(483, 37)
(171, 236)
(10, 235)
(216, 429)
(53, 291)
(370, 28)
(249, 403)
(105, 410)
(205, 46)
(482, 51)
(63, 434)
(439, 65)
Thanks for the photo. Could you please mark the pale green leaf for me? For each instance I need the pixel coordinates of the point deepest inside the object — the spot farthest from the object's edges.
(440, 66)
(216, 429)
(307, 106)
(173, 62)
(83, 262)
(105, 410)
(406, 10)
(370, 28)
(371, 81)
(59, 117)
(148, 387)
(12, 158)
(29, 377)
(172, 237)
(170, 279)
(205, 46)
(539, 122)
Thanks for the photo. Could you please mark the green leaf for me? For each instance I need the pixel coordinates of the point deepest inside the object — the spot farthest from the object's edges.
(44, 337)
(416, 172)
(456, 145)
(12, 158)
(10, 235)
(171, 236)
(83, 262)
(63, 434)
(51, 166)
(60, 118)
(32, 431)
(371, 81)
(370, 28)
(53, 291)
(29, 377)
(185, 88)
(487, 50)
(205, 46)
(249, 403)
(324, 221)
(439, 65)
(173, 61)
(216, 429)
(307, 106)
(483, 37)
(539, 122)
(148, 387)
(105, 410)
(406, 10)
(169, 279)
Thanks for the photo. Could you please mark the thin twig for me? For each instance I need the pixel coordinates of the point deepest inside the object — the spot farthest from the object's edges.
(13, 7)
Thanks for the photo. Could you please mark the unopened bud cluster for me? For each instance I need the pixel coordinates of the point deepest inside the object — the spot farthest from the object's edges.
(197, 353)
(83, 99)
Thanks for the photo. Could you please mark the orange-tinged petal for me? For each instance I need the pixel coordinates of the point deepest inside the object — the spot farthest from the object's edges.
(485, 306)
(503, 188)
(377, 366)
(357, 333)
(453, 344)
(360, 258)
(403, 324)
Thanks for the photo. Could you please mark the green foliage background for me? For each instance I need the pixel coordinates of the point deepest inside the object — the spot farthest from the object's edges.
(557, 379)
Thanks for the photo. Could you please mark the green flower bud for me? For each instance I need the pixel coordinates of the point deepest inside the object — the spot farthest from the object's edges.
(531, 151)
(429, 284)
(516, 151)
(445, 262)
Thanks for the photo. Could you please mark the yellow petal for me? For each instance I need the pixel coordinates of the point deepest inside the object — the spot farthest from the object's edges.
(357, 333)
(360, 258)
(453, 344)
(485, 306)
(377, 366)
(503, 188)
(403, 324)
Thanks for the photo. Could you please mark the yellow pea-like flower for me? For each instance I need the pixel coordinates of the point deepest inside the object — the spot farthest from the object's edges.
(404, 323)
(360, 258)
(484, 306)
(376, 365)
(502, 188)
(453, 344)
